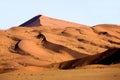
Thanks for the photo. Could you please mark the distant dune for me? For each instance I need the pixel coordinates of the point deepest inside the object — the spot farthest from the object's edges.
(41, 20)
(44, 43)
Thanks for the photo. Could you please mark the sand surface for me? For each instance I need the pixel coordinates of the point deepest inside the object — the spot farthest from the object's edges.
(78, 74)
(45, 48)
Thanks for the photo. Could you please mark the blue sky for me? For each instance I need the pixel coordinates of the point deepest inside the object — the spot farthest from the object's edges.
(89, 12)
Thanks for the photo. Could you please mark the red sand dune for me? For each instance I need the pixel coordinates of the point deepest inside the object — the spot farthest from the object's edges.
(41, 20)
(47, 43)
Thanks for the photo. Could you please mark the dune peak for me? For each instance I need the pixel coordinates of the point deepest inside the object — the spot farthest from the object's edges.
(41, 20)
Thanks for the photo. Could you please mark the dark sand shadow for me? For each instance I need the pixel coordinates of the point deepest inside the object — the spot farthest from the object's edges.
(35, 21)
(58, 48)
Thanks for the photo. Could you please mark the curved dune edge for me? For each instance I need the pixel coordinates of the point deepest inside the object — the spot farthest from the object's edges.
(46, 46)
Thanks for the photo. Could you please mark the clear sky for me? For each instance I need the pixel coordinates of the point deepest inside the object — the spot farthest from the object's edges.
(89, 12)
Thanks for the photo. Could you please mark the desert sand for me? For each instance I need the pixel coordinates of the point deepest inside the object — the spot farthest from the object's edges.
(45, 48)
(79, 74)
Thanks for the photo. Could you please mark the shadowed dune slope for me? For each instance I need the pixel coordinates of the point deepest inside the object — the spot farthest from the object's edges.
(58, 44)
(111, 56)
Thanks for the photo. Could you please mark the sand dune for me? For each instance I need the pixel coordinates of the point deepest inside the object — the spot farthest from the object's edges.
(41, 20)
(45, 43)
